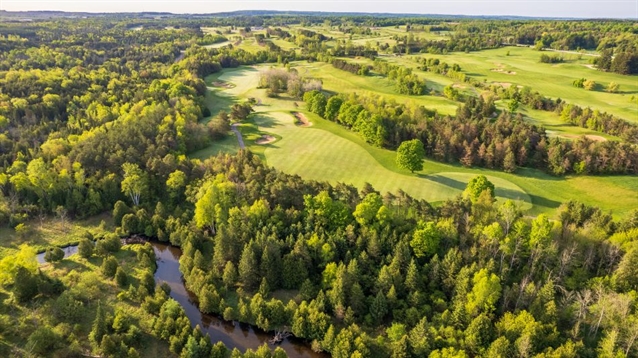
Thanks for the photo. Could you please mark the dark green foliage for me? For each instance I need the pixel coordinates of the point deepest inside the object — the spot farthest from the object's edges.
(121, 278)
(109, 266)
(545, 58)
(25, 286)
(54, 254)
(99, 328)
(86, 248)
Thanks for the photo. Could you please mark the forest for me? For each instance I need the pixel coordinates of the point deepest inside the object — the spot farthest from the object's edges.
(99, 120)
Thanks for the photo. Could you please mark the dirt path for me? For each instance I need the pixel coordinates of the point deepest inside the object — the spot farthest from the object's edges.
(240, 139)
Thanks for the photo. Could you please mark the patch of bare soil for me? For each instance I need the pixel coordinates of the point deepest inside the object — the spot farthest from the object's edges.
(593, 67)
(302, 120)
(265, 139)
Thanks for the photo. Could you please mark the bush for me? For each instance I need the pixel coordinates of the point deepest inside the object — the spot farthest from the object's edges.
(85, 248)
(54, 254)
(109, 267)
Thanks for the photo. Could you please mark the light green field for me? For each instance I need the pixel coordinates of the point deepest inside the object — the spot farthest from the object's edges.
(552, 80)
(318, 154)
(328, 152)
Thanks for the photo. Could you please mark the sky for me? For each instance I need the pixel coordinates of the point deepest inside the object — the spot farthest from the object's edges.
(537, 8)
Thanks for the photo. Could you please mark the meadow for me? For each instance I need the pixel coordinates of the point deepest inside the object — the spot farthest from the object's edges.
(328, 152)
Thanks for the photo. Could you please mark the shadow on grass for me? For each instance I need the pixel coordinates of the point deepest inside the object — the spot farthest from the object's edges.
(501, 192)
(264, 120)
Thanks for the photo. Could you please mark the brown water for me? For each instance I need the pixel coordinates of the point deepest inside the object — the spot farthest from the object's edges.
(232, 334)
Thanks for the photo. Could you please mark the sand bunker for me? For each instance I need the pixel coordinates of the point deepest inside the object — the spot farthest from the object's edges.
(222, 84)
(302, 120)
(503, 71)
(503, 84)
(265, 139)
(595, 138)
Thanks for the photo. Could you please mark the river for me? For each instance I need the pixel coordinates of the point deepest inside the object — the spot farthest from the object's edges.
(232, 334)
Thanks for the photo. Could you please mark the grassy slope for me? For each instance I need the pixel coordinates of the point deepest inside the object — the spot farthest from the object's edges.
(327, 151)
(554, 80)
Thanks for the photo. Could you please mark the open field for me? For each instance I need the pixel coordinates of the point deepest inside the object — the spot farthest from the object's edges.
(552, 80)
(327, 151)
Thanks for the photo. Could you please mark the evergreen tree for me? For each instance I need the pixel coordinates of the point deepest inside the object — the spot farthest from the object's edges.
(248, 268)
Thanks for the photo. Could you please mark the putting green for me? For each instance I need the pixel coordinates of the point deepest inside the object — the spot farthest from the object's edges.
(320, 155)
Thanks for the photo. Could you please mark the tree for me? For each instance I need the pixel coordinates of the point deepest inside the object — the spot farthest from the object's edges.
(476, 186)
(485, 293)
(99, 327)
(135, 182)
(512, 106)
(25, 285)
(509, 162)
(367, 210)
(410, 155)
(613, 87)
(239, 112)
(43, 340)
(450, 92)
(332, 107)
(248, 268)
(85, 248)
(109, 266)
(425, 240)
(9, 265)
(215, 199)
(120, 277)
(589, 85)
(53, 254)
(378, 308)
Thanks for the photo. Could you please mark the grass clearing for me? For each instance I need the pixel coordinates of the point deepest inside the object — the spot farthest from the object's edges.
(53, 232)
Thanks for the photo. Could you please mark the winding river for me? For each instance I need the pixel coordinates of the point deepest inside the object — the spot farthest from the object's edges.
(232, 334)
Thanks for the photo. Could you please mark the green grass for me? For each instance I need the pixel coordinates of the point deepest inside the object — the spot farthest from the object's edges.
(319, 154)
(328, 152)
(53, 232)
(552, 80)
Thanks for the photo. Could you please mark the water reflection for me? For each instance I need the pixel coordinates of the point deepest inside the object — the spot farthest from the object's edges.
(232, 334)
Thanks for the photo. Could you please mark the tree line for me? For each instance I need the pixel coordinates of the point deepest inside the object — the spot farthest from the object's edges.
(473, 137)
